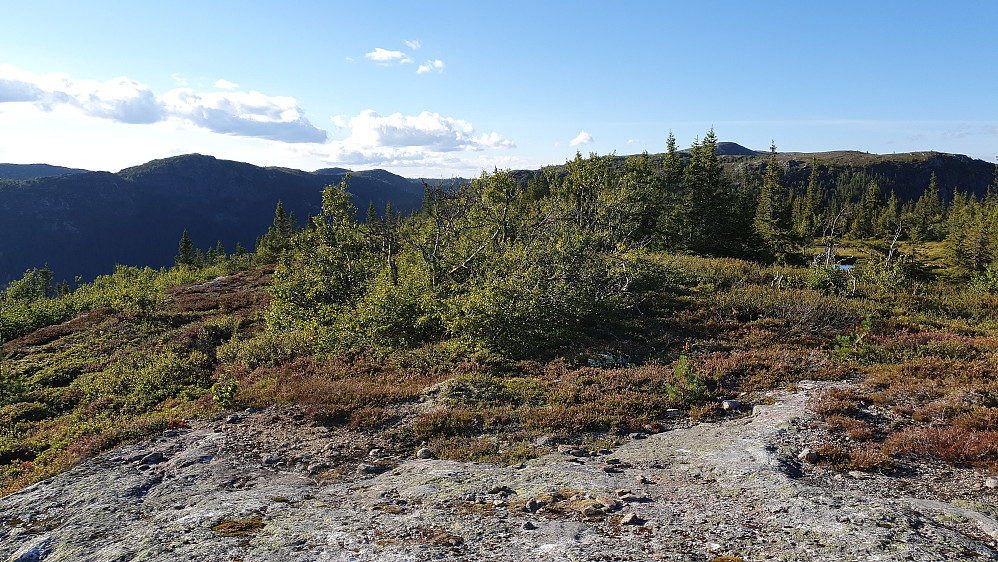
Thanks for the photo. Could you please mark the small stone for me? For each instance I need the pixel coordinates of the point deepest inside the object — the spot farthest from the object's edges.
(566, 449)
(610, 504)
(991, 483)
(642, 479)
(233, 418)
(528, 526)
(374, 453)
(673, 413)
(424, 453)
(317, 467)
(758, 409)
(638, 436)
(534, 505)
(170, 433)
(542, 441)
(731, 405)
(809, 455)
(857, 474)
(591, 511)
(622, 492)
(631, 518)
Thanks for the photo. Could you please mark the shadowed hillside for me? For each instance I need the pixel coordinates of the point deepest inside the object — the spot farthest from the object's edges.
(84, 224)
(32, 171)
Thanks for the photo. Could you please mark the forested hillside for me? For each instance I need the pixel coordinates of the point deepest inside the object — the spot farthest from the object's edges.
(84, 224)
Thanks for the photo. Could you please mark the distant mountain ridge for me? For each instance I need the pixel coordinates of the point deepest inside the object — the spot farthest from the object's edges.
(906, 174)
(33, 171)
(86, 223)
(725, 148)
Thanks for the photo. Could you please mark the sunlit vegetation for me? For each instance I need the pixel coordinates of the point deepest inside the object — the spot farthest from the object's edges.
(589, 302)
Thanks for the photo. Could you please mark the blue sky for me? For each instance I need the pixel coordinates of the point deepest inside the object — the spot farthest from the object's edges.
(443, 89)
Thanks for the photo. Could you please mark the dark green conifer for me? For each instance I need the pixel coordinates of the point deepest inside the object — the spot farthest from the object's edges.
(185, 252)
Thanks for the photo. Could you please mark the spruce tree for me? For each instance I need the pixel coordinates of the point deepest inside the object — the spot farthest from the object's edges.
(673, 214)
(769, 223)
(281, 224)
(185, 251)
(871, 205)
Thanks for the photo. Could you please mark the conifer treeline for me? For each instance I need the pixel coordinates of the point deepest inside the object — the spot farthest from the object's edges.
(692, 205)
(508, 265)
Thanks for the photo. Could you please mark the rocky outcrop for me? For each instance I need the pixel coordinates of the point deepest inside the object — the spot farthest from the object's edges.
(267, 487)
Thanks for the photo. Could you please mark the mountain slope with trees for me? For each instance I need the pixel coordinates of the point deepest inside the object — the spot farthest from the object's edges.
(84, 224)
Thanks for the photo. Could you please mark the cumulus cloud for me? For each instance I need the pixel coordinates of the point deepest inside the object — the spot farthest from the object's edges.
(386, 56)
(224, 84)
(398, 140)
(430, 65)
(493, 140)
(414, 45)
(581, 139)
(249, 114)
(427, 130)
(119, 99)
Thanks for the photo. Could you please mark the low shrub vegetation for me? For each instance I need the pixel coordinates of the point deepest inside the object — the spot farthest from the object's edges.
(507, 316)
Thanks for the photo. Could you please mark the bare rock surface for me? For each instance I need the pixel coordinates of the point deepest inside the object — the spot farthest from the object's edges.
(269, 487)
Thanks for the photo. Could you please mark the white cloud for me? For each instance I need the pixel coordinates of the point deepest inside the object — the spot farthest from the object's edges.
(119, 99)
(249, 114)
(429, 131)
(493, 140)
(224, 84)
(414, 45)
(386, 56)
(437, 65)
(633, 141)
(424, 140)
(583, 138)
